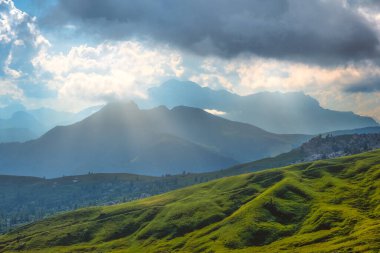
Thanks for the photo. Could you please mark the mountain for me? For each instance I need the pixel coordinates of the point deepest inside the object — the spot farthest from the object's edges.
(334, 146)
(365, 130)
(292, 112)
(123, 138)
(16, 135)
(7, 111)
(21, 126)
(21, 119)
(317, 148)
(52, 118)
(18, 124)
(331, 205)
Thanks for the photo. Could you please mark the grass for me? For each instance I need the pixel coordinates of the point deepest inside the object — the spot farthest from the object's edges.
(323, 206)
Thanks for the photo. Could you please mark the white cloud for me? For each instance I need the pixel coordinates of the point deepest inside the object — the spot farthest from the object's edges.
(20, 39)
(108, 71)
(215, 112)
(9, 89)
(9, 71)
(125, 69)
(250, 75)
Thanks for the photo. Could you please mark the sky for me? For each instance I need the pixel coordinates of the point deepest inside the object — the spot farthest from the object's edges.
(69, 54)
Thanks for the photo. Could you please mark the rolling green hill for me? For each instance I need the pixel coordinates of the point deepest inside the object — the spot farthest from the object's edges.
(323, 206)
(28, 199)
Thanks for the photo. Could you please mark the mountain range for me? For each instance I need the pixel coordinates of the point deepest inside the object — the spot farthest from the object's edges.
(18, 124)
(276, 112)
(122, 138)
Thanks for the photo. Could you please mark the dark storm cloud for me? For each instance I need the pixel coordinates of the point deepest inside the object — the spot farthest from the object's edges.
(322, 32)
(368, 85)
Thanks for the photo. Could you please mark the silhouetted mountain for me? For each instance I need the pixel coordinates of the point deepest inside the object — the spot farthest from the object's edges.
(123, 138)
(277, 112)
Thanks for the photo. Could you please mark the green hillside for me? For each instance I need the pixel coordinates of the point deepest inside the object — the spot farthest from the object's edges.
(28, 199)
(323, 206)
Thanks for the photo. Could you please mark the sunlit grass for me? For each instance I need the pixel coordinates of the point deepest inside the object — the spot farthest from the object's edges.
(324, 206)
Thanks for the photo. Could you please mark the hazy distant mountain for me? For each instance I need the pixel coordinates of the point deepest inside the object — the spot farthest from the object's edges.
(292, 112)
(123, 138)
(52, 118)
(16, 135)
(17, 124)
(7, 111)
(21, 119)
(20, 127)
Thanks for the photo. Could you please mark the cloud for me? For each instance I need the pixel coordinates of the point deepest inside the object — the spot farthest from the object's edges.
(328, 85)
(315, 31)
(327, 49)
(245, 76)
(7, 88)
(215, 112)
(367, 85)
(108, 71)
(20, 40)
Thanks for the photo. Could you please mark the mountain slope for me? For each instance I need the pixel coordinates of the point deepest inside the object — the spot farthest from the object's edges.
(317, 148)
(273, 111)
(122, 138)
(16, 135)
(365, 130)
(330, 206)
(242, 142)
(28, 199)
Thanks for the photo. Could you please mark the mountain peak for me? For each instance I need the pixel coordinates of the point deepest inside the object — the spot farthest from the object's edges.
(182, 108)
(7, 111)
(121, 137)
(290, 99)
(121, 106)
(278, 112)
(22, 115)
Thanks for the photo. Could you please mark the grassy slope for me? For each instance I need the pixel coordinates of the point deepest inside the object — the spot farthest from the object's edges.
(324, 206)
(26, 199)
